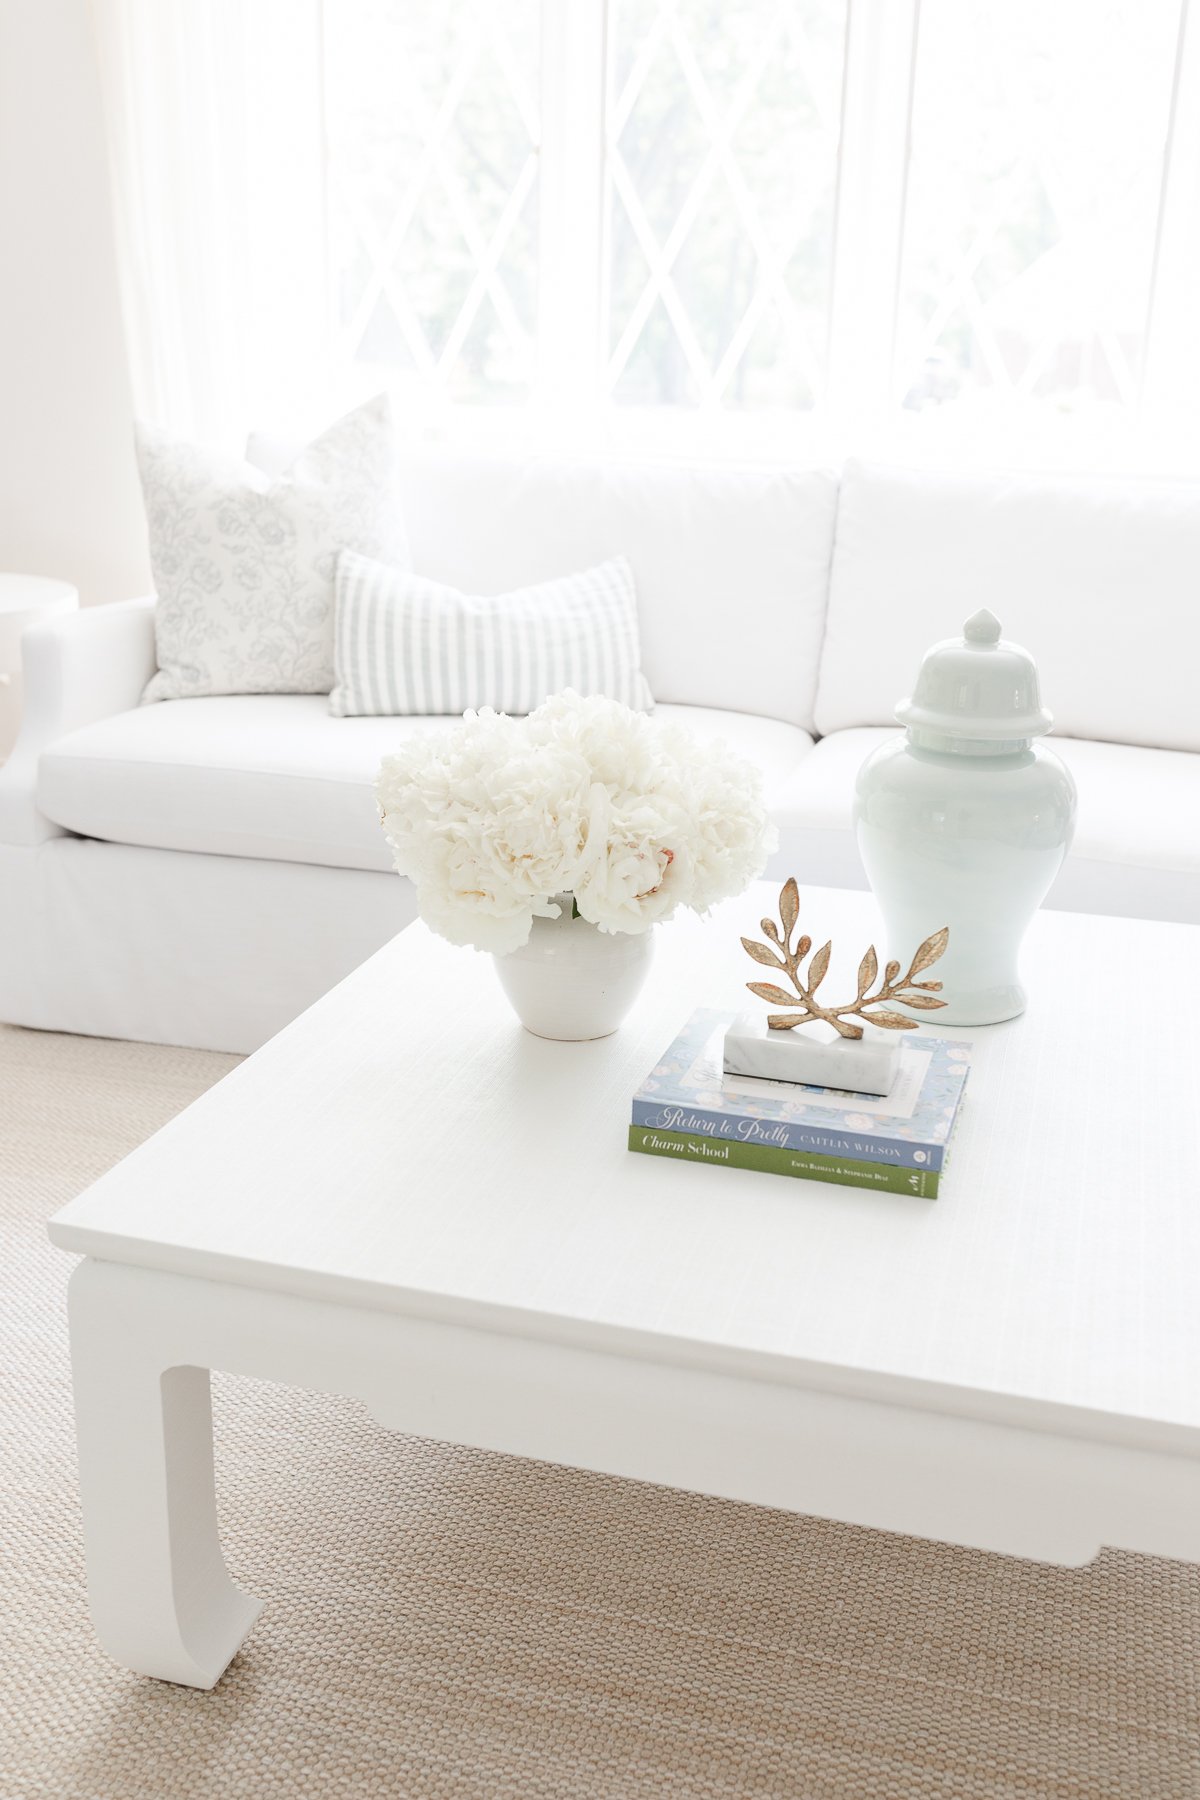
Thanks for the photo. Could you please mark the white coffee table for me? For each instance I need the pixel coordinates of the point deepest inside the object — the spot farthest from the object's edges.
(407, 1198)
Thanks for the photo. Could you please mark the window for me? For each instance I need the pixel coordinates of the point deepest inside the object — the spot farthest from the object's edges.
(433, 135)
(745, 215)
(721, 154)
(1037, 160)
(626, 206)
(749, 227)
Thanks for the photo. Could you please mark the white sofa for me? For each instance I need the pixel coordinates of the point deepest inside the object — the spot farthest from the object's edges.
(198, 871)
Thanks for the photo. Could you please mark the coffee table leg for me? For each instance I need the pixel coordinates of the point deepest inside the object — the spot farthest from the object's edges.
(160, 1598)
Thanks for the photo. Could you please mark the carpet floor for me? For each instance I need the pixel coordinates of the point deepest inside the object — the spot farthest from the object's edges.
(448, 1624)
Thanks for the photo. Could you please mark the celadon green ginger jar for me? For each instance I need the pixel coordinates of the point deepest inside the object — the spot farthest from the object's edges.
(964, 820)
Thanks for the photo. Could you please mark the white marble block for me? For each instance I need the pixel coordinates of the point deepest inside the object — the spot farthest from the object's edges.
(865, 1065)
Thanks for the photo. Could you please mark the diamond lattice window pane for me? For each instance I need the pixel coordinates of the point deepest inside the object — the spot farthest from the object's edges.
(723, 126)
(1038, 138)
(431, 118)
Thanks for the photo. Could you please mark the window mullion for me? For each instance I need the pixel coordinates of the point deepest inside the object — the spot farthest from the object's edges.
(571, 204)
(881, 37)
(1171, 380)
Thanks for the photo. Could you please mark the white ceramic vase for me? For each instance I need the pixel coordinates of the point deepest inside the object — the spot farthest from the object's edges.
(964, 821)
(572, 981)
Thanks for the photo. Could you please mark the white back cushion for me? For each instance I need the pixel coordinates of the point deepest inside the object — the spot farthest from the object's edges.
(1099, 578)
(731, 565)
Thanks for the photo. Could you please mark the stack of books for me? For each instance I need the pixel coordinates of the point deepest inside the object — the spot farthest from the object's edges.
(689, 1108)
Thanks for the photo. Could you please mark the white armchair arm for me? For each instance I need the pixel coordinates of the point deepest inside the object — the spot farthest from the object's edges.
(77, 667)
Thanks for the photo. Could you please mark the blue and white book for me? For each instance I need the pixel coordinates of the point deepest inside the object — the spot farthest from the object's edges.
(688, 1091)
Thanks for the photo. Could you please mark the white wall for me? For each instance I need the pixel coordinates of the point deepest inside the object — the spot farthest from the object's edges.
(69, 498)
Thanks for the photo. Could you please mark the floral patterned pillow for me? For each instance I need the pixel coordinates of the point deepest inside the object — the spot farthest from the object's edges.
(244, 565)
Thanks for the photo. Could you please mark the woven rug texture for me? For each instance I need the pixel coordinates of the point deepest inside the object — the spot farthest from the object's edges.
(449, 1624)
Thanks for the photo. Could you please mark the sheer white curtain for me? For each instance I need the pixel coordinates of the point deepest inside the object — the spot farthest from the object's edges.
(213, 110)
(789, 228)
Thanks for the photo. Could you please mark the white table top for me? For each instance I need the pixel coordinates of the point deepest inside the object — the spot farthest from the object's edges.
(378, 1153)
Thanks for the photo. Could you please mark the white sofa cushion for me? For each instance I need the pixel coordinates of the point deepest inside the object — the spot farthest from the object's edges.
(1099, 578)
(731, 564)
(276, 776)
(1137, 841)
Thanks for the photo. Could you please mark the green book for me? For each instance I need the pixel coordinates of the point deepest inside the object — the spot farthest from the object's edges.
(773, 1159)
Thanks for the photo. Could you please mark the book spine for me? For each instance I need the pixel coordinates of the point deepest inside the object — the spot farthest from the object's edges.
(769, 1134)
(770, 1159)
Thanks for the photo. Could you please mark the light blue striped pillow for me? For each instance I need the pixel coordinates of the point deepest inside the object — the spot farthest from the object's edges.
(406, 645)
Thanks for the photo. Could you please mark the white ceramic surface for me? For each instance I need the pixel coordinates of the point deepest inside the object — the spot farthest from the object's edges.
(965, 822)
(978, 687)
(572, 981)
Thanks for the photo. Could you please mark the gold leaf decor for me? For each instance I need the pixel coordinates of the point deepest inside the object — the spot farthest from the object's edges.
(779, 953)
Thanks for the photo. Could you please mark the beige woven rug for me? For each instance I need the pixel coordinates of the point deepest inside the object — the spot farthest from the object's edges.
(445, 1623)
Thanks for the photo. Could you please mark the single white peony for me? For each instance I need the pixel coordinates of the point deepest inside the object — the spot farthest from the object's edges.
(493, 816)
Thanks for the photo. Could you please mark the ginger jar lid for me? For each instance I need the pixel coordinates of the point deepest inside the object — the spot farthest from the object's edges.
(978, 686)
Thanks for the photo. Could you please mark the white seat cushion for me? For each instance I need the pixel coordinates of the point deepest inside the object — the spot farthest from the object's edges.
(1137, 841)
(277, 776)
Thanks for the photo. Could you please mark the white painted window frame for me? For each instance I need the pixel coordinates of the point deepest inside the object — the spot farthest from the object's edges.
(877, 95)
(1171, 378)
(571, 205)
(570, 398)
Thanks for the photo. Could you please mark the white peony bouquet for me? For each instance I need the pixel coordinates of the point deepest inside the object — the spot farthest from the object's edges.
(494, 816)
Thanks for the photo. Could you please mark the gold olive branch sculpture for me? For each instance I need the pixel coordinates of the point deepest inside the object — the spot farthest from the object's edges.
(780, 954)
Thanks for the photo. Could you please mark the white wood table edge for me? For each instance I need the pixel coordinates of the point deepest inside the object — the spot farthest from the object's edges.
(1025, 1412)
(144, 1341)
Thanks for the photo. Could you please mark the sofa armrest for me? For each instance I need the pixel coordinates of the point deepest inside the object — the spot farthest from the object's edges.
(76, 667)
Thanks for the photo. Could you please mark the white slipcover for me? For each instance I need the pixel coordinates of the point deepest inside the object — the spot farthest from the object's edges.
(216, 952)
(276, 776)
(150, 934)
(1099, 578)
(731, 564)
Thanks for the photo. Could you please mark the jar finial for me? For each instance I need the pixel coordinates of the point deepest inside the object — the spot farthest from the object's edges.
(979, 690)
(982, 627)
